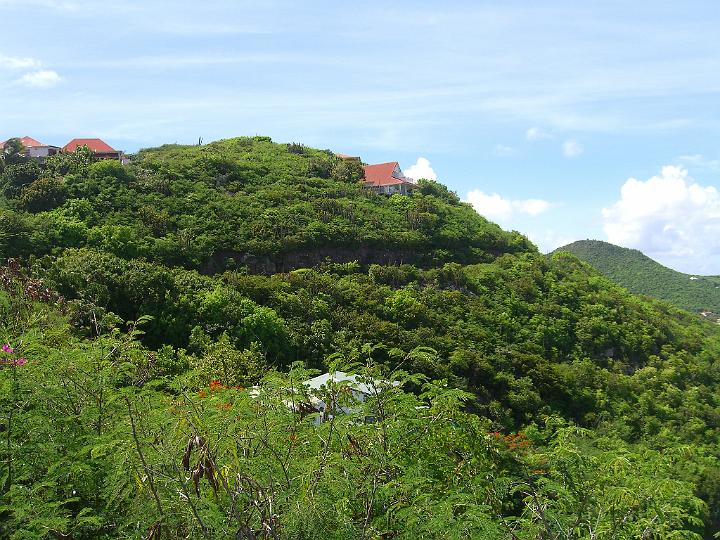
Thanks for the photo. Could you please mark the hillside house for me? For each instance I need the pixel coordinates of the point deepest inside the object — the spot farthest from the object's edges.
(35, 149)
(332, 393)
(341, 393)
(387, 178)
(100, 148)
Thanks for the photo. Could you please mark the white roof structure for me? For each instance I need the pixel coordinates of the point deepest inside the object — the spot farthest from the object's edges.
(316, 383)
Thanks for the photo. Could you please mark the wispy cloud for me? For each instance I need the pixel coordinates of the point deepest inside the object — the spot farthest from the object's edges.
(534, 134)
(187, 28)
(51, 4)
(37, 78)
(699, 161)
(572, 148)
(179, 61)
(14, 62)
(502, 150)
(45, 78)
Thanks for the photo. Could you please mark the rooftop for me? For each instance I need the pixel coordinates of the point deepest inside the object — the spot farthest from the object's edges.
(316, 383)
(384, 174)
(27, 142)
(96, 145)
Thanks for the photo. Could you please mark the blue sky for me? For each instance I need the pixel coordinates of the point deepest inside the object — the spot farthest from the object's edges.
(564, 120)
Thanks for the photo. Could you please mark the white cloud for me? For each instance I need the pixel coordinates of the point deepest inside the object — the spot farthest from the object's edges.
(532, 207)
(40, 79)
(572, 148)
(669, 216)
(497, 208)
(421, 169)
(549, 239)
(501, 150)
(534, 134)
(13, 62)
(490, 206)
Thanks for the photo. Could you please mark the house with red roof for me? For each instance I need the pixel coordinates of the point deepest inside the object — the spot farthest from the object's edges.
(100, 148)
(387, 178)
(34, 148)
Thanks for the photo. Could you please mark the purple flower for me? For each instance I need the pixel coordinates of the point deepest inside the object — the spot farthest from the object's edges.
(7, 348)
(20, 362)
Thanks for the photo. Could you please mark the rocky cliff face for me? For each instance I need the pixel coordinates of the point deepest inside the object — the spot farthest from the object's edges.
(364, 255)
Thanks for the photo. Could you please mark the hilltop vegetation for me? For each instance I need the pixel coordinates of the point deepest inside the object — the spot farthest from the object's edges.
(642, 275)
(537, 398)
(235, 203)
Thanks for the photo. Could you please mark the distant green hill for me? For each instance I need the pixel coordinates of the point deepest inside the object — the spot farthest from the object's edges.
(640, 274)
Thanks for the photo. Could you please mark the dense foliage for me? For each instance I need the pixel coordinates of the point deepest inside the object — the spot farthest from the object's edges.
(243, 202)
(642, 275)
(536, 398)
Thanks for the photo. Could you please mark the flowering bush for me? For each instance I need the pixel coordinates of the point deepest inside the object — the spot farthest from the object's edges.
(7, 360)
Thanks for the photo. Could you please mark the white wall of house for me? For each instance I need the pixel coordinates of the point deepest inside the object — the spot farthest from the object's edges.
(402, 189)
(41, 151)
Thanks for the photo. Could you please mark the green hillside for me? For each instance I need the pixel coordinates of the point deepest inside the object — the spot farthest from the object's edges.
(247, 202)
(642, 275)
(138, 305)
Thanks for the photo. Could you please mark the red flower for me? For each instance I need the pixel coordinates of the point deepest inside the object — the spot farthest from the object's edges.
(216, 385)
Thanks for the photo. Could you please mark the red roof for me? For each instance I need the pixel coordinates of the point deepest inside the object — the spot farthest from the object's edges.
(96, 145)
(381, 174)
(346, 156)
(27, 142)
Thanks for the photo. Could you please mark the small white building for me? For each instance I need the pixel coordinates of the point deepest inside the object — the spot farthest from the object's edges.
(331, 393)
(341, 393)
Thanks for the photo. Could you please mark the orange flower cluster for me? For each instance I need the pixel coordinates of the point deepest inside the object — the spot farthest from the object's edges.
(516, 443)
(215, 386)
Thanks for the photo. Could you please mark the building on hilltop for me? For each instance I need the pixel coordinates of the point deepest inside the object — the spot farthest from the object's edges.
(34, 148)
(387, 178)
(100, 148)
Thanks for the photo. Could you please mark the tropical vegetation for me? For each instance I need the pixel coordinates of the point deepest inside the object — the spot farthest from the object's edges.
(158, 321)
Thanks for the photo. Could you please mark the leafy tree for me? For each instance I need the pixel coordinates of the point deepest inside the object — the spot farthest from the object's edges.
(17, 176)
(43, 194)
(347, 170)
(436, 189)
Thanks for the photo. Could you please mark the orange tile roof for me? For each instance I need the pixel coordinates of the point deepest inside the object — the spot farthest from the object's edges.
(27, 142)
(381, 174)
(96, 145)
